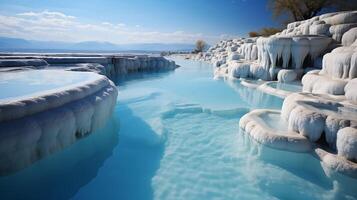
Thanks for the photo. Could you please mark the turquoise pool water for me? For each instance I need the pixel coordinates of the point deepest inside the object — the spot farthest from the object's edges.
(33, 82)
(290, 87)
(175, 135)
(274, 121)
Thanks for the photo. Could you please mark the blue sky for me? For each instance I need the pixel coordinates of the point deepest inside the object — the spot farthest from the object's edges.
(132, 21)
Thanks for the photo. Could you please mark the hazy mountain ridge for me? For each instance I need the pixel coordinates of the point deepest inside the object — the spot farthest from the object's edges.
(9, 44)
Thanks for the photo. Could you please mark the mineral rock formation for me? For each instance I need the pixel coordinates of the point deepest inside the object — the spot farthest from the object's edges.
(325, 113)
(347, 143)
(338, 68)
(301, 45)
(32, 127)
(37, 124)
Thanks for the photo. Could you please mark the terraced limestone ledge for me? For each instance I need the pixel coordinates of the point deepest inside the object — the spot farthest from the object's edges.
(35, 125)
(335, 163)
(257, 127)
(286, 55)
(268, 88)
(318, 116)
(338, 69)
(110, 65)
(323, 125)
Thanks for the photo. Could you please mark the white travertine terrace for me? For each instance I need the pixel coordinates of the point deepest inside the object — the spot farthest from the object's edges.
(286, 75)
(255, 124)
(335, 163)
(264, 57)
(323, 52)
(317, 115)
(267, 88)
(35, 125)
(338, 68)
(269, 55)
(105, 64)
(300, 45)
(347, 143)
(314, 118)
(21, 64)
(350, 91)
(22, 106)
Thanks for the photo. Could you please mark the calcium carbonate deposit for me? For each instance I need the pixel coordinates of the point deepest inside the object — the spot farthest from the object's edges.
(322, 52)
(46, 105)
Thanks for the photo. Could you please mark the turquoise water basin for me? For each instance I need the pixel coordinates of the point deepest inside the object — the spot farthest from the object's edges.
(178, 138)
(274, 121)
(34, 82)
(290, 87)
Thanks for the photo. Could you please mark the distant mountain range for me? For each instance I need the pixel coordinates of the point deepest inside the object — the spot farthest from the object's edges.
(16, 44)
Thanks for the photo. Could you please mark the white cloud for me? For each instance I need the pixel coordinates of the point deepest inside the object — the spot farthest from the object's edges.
(107, 24)
(47, 14)
(57, 26)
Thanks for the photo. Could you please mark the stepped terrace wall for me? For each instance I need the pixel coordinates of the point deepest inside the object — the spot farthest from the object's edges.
(48, 102)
